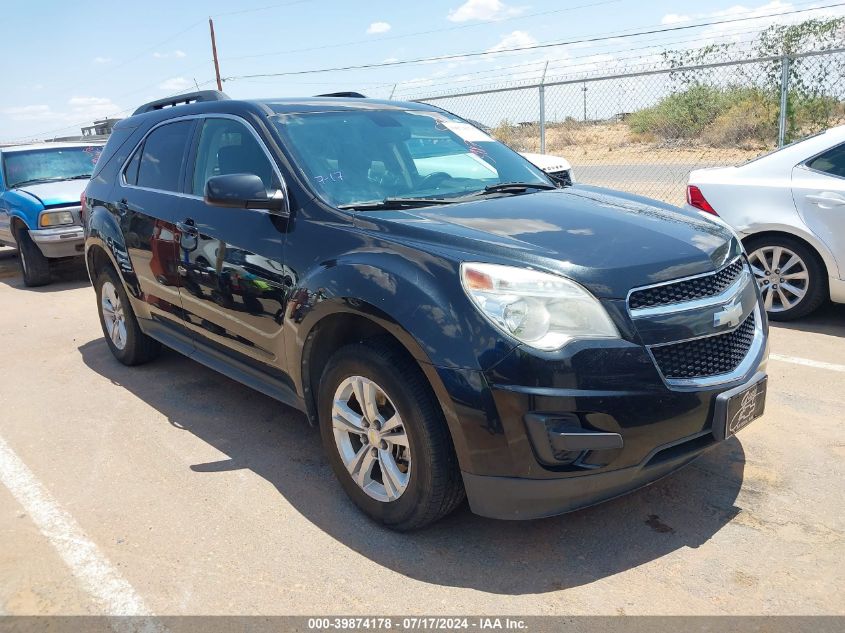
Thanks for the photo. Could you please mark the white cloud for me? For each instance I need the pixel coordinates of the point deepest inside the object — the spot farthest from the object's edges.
(483, 10)
(175, 84)
(674, 18)
(102, 60)
(29, 112)
(80, 109)
(168, 54)
(516, 39)
(378, 27)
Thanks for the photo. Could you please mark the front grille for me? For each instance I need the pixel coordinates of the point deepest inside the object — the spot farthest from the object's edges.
(705, 357)
(688, 290)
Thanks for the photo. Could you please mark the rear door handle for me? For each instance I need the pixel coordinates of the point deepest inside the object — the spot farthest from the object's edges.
(826, 199)
(187, 226)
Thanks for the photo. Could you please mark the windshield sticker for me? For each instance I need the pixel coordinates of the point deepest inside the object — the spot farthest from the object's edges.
(95, 151)
(467, 132)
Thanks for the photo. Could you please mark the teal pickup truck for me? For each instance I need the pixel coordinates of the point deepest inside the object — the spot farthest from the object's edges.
(40, 190)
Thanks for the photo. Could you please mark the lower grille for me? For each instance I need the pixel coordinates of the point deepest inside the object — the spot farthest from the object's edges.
(706, 357)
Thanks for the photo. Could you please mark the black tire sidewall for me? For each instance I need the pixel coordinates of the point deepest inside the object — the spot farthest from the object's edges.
(36, 269)
(816, 285)
(362, 361)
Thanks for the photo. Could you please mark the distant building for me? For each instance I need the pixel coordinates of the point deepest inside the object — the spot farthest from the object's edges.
(100, 128)
(99, 131)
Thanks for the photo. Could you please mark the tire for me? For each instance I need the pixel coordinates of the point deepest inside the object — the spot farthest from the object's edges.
(793, 292)
(130, 345)
(35, 268)
(433, 486)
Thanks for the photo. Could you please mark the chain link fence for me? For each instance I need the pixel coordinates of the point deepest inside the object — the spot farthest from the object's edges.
(643, 129)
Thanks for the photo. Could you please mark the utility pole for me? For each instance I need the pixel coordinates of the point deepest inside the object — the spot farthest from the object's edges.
(584, 90)
(214, 53)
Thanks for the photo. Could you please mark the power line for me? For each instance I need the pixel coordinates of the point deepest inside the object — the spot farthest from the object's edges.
(417, 33)
(586, 40)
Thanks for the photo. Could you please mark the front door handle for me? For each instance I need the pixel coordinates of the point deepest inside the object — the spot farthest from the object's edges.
(187, 226)
(826, 199)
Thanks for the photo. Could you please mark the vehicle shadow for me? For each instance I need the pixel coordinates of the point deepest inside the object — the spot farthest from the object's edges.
(829, 319)
(65, 275)
(463, 550)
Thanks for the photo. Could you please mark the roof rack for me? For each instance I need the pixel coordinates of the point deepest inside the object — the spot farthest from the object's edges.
(351, 95)
(183, 99)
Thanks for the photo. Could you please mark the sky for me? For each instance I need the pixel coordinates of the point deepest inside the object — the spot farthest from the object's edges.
(70, 63)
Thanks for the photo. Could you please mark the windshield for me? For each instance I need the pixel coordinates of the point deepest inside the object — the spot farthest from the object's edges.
(373, 155)
(44, 165)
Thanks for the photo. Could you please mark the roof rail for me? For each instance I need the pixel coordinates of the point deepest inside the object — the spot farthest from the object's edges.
(183, 99)
(351, 95)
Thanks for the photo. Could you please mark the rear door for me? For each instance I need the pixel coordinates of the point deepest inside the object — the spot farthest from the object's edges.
(149, 206)
(818, 188)
(234, 279)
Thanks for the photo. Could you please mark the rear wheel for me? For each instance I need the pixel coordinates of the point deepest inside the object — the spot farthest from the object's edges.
(34, 266)
(123, 335)
(386, 438)
(790, 275)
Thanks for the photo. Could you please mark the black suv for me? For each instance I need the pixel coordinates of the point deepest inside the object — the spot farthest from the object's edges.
(456, 323)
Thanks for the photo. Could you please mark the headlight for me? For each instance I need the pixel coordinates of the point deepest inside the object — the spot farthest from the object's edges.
(55, 218)
(541, 310)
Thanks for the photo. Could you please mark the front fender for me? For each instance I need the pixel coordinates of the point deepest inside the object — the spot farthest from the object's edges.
(419, 294)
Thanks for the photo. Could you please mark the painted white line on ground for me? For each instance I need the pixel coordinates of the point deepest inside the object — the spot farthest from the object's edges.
(807, 362)
(89, 566)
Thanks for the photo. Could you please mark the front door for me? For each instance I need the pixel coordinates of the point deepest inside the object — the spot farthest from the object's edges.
(234, 281)
(818, 188)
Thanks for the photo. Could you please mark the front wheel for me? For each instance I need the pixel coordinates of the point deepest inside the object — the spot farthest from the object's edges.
(35, 268)
(386, 438)
(790, 275)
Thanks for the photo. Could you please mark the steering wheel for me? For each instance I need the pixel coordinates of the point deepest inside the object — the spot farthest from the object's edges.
(434, 179)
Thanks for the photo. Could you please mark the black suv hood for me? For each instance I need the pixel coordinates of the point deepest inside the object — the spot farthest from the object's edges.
(606, 240)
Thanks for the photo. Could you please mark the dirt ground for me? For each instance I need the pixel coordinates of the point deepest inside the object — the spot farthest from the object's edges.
(200, 496)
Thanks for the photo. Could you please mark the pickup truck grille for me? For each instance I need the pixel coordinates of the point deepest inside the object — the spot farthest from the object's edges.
(705, 357)
(687, 290)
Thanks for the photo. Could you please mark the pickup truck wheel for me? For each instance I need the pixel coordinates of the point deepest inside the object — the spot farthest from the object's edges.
(386, 437)
(123, 335)
(34, 266)
(791, 277)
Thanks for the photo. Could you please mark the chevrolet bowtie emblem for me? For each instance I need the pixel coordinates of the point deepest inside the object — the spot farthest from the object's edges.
(729, 315)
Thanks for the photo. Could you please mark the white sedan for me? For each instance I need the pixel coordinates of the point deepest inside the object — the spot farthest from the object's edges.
(788, 207)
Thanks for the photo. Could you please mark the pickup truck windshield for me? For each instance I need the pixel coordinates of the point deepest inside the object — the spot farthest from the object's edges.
(361, 156)
(45, 165)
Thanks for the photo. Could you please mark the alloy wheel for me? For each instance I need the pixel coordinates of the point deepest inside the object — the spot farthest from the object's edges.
(113, 315)
(782, 276)
(371, 438)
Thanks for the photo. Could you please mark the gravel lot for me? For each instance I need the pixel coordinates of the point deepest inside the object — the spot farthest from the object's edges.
(195, 495)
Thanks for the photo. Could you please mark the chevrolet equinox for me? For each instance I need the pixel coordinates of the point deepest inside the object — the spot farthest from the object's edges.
(457, 324)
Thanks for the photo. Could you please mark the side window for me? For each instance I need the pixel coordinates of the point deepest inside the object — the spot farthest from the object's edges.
(131, 172)
(228, 147)
(831, 162)
(161, 158)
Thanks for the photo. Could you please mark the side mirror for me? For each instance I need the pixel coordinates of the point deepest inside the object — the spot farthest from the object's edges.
(243, 191)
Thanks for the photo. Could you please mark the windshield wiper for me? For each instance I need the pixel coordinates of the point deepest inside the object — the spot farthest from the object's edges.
(504, 187)
(35, 181)
(395, 203)
(79, 177)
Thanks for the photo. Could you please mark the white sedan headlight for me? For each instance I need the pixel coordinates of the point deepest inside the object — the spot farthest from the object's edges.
(541, 310)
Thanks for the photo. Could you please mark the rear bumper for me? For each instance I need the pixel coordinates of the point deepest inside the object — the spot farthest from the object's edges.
(64, 241)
